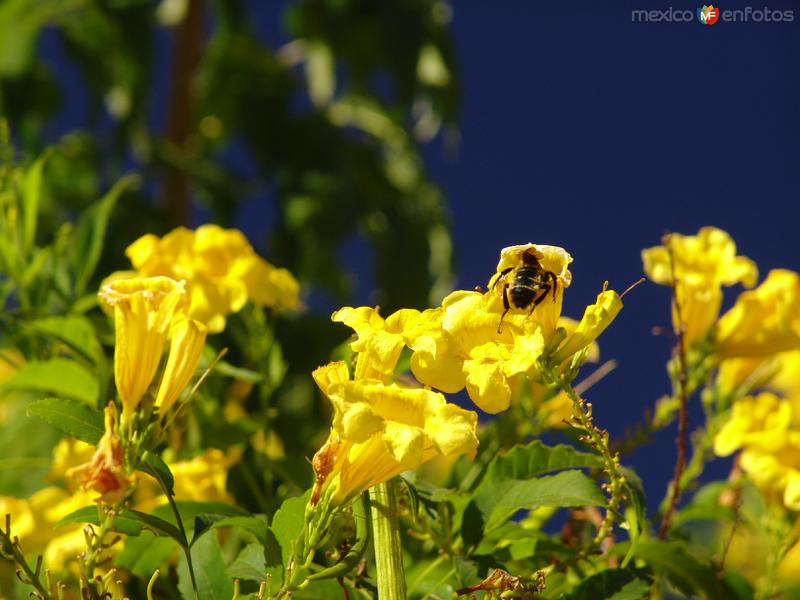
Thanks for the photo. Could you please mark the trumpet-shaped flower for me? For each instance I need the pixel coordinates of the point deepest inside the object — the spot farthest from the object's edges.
(596, 319)
(187, 338)
(381, 430)
(221, 270)
(144, 309)
(763, 321)
(701, 263)
(105, 473)
(378, 341)
(148, 312)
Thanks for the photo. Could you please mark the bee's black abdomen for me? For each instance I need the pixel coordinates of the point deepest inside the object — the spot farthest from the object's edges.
(522, 291)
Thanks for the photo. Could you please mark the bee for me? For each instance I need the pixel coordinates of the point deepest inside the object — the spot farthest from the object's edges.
(526, 285)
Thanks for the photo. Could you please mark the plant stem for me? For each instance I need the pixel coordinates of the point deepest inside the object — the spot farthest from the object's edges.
(187, 551)
(680, 358)
(386, 537)
(598, 439)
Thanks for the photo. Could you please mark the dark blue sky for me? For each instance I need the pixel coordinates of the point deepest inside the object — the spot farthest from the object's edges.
(586, 130)
(583, 129)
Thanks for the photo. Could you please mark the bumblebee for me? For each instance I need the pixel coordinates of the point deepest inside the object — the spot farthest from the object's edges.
(526, 285)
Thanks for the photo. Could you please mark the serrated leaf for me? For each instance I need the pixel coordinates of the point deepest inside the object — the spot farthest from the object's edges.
(73, 418)
(90, 231)
(249, 564)
(157, 468)
(59, 376)
(612, 584)
(213, 583)
(496, 504)
(288, 523)
(535, 458)
(74, 331)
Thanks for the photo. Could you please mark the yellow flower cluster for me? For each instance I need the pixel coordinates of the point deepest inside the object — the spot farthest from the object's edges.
(754, 345)
(220, 268)
(700, 265)
(765, 427)
(470, 341)
(461, 344)
(149, 311)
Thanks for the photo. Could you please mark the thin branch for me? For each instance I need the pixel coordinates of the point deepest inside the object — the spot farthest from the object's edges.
(188, 44)
(680, 355)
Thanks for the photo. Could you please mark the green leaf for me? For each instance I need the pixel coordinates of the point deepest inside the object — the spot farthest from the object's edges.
(213, 582)
(255, 525)
(74, 331)
(612, 584)
(60, 376)
(494, 505)
(129, 522)
(226, 369)
(73, 418)
(524, 462)
(249, 564)
(189, 510)
(145, 553)
(31, 194)
(154, 466)
(687, 573)
(89, 514)
(90, 231)
(288, 523)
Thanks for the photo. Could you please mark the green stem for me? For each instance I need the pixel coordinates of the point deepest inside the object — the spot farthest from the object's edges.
(386, 536)
(15, 553)
(187, 551)
(597, 439)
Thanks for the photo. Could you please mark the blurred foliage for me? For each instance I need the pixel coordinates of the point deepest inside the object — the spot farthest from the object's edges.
(332, 121)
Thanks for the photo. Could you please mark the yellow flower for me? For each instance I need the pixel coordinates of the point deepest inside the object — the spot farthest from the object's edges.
(187, 338)
(755, 421)
(469, 349)
(144, 310)
(763, 321)
(378, 342)
(105, 473)
(33, 520)
(767, 430)
(777, 473)
(221, 270)
(702, 264)
(777, 372)
(381, 430)
(596, 319)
